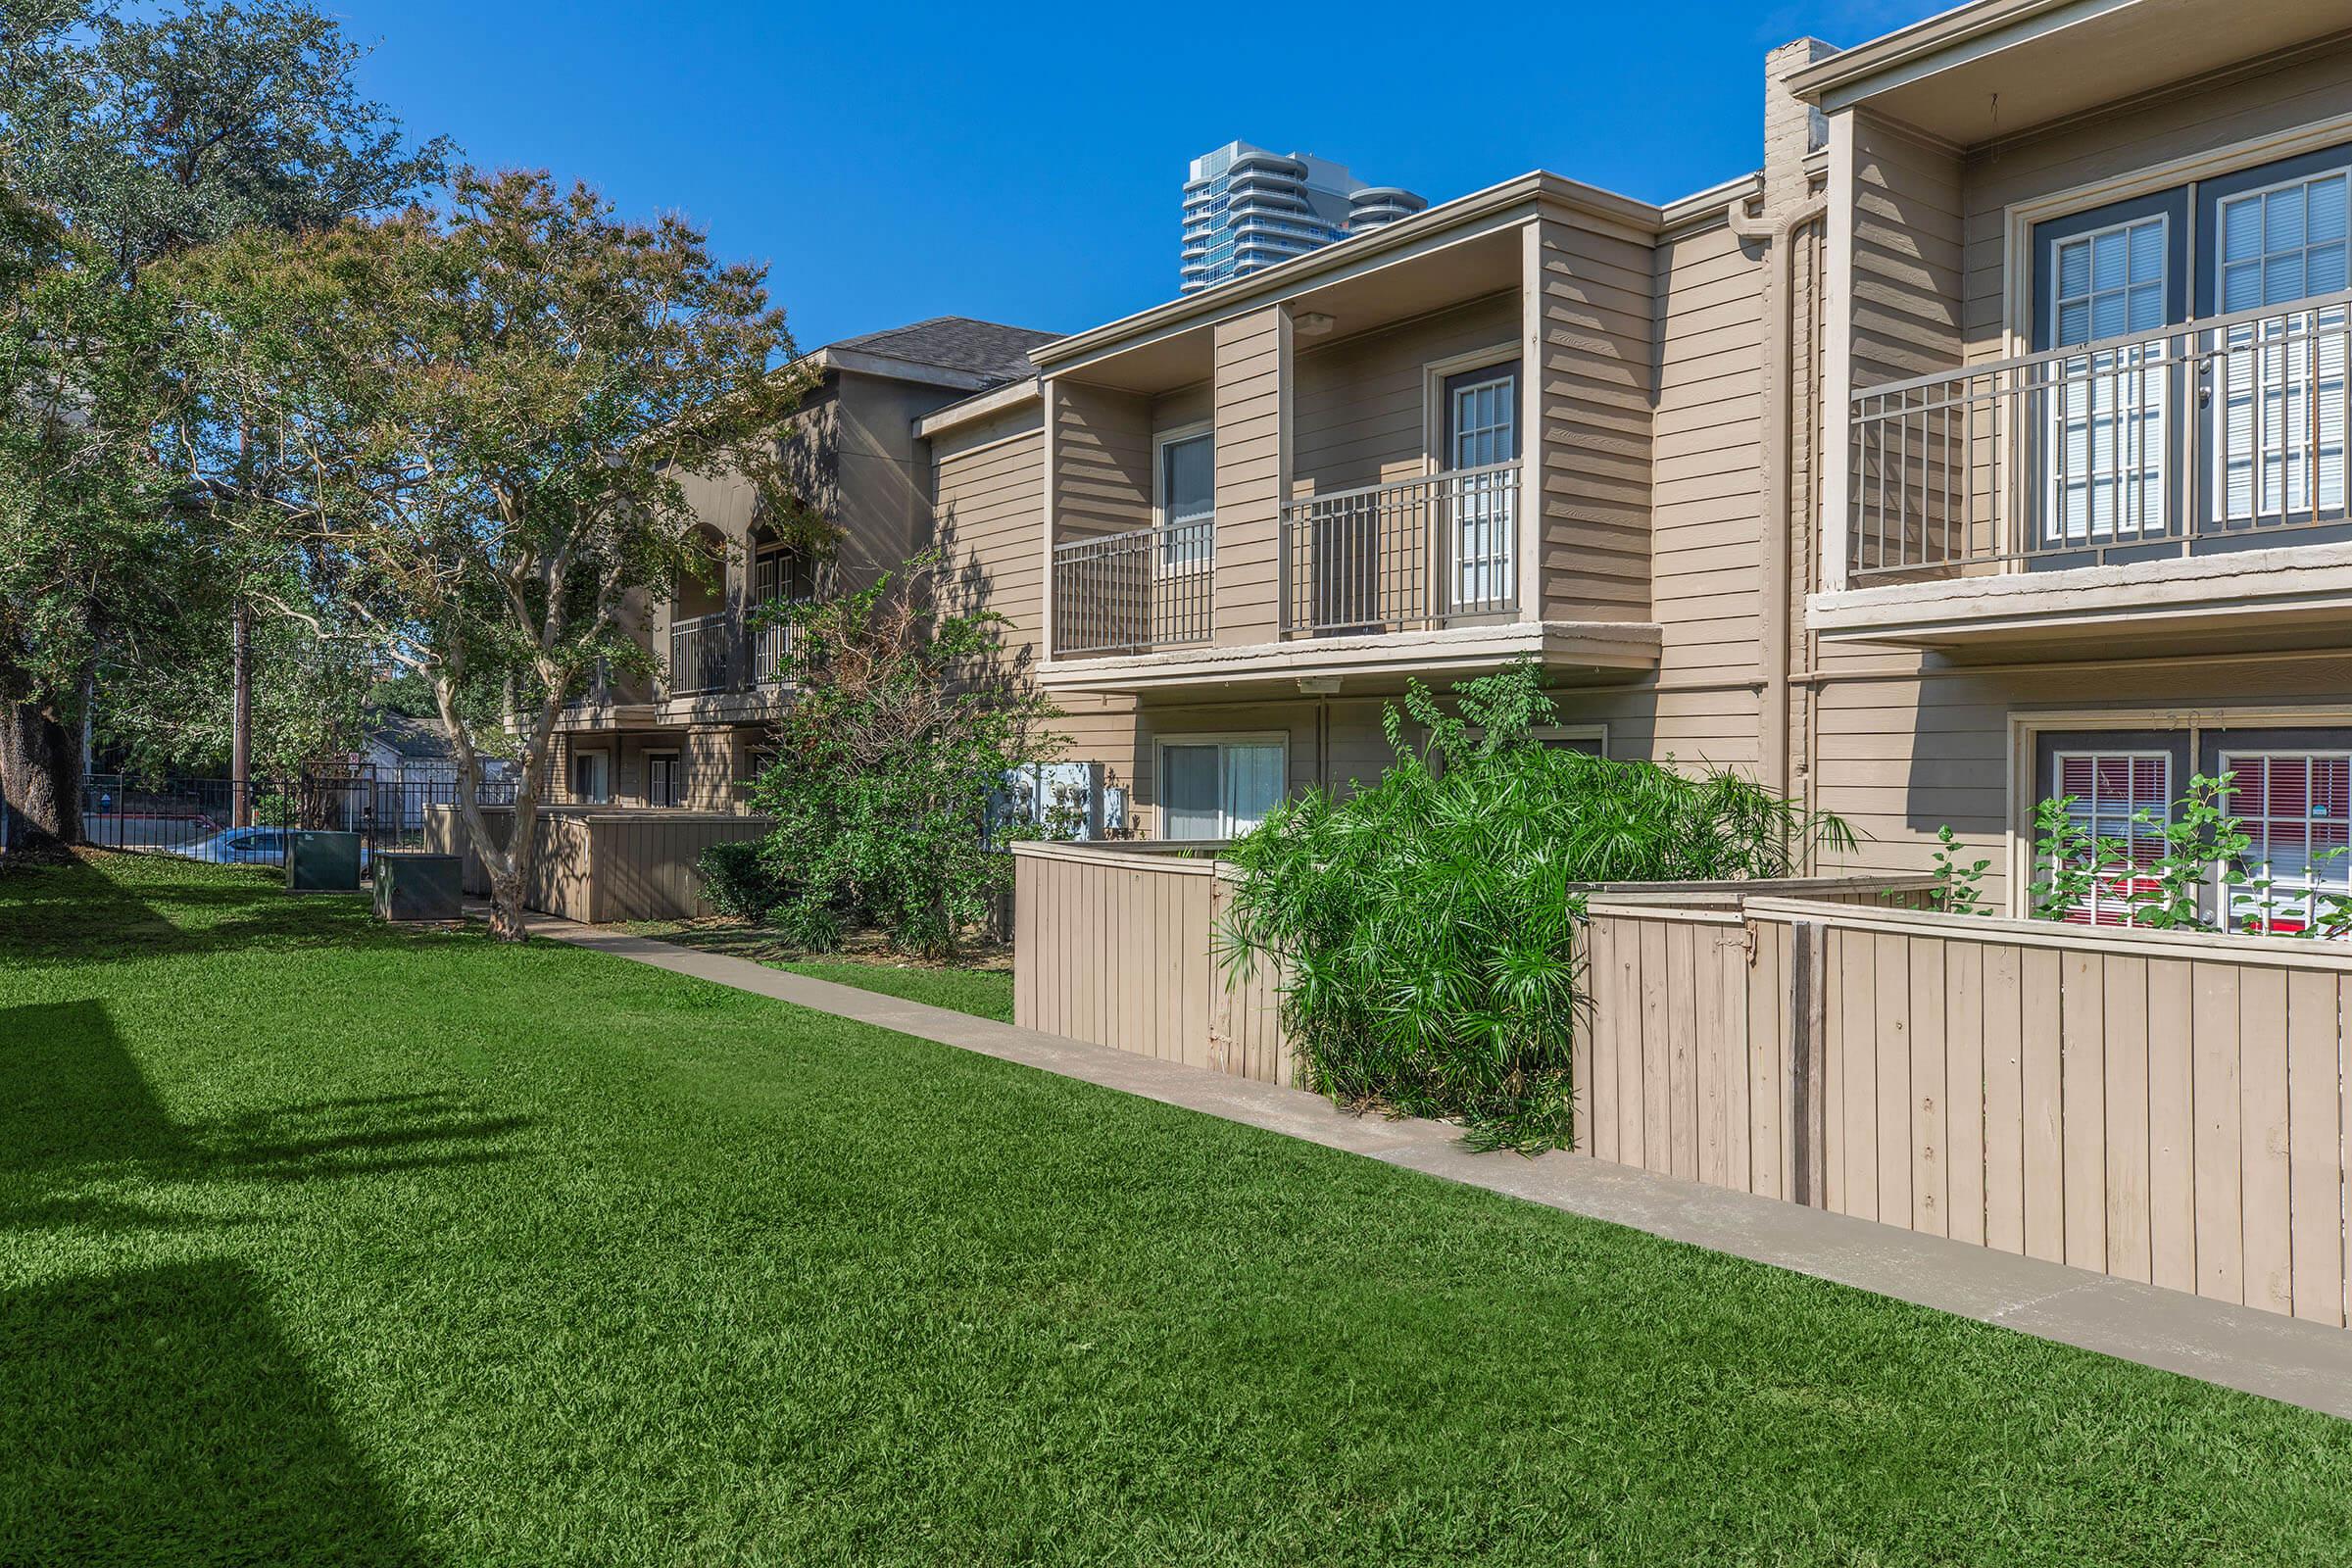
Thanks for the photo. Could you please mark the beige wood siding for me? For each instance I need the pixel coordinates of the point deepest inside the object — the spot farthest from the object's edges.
(1596, 313)
(1249, 401)
(1361, 413)
(988, 483)
(1906, 238)
(1102, 451)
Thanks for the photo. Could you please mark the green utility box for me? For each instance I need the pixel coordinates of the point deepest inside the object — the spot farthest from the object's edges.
(412, 885)
(323, 863)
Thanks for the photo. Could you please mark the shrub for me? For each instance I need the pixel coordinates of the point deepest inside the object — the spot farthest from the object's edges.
(1426, 926)
(904, 723)
(735, 882)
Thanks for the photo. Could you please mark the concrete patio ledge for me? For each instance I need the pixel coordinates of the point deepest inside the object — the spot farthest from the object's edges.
(2238, 1347)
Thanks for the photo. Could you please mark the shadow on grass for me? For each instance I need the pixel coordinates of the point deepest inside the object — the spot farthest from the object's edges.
(81, 911)
(78, 1110)
(158, 1415)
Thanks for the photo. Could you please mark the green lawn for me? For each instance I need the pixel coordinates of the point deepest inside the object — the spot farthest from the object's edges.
(983, 993)
(321, 1243)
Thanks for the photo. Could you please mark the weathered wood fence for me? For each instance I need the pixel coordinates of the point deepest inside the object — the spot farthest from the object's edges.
(595, 863)
(2171, 1110)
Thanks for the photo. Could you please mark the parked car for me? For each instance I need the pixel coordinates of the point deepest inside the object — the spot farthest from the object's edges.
(247, 846)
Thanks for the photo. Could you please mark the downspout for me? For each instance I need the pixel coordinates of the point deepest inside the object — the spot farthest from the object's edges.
(1777, 479)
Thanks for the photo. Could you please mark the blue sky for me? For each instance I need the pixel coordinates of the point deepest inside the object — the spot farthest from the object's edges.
(891, 160)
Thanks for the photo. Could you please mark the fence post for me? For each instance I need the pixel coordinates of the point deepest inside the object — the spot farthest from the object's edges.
(1806, 1109)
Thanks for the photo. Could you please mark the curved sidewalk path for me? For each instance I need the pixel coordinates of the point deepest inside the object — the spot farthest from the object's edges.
(2239, 1348)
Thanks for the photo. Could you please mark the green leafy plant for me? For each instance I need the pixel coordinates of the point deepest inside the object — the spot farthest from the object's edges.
(904, 723)
(1426, 926)
(1963, 890)
(734, 882)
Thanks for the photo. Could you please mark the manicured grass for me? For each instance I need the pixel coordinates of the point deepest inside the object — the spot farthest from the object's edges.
(982, 993)
(320, 1242)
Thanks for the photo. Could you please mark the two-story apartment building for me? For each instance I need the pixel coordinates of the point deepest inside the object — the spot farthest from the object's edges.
(1527, 423)
(2084, 358)
(692, 737)
(1986, 444)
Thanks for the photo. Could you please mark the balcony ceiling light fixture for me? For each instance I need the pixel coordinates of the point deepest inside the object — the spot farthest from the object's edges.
(1313, 324)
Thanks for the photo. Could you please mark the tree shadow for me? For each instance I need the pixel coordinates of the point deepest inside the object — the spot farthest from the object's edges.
(76, 911)
(159, 1416)
(79, 1111)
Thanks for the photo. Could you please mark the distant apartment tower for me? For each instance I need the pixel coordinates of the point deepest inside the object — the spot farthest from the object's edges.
(1246, 208)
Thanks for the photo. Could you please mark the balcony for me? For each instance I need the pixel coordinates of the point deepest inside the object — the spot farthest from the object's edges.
(702, 654)
(1127, 593)
(1415, 555)
(2180, 482)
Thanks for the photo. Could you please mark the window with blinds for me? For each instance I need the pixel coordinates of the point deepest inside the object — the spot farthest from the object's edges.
(2105, 791)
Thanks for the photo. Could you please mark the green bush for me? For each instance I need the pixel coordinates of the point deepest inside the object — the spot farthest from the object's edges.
(1426, 926)
(735, 882)
(904, 720)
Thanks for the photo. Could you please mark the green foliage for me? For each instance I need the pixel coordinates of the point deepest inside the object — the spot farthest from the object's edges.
(1963, 891)
(904, 722)
(482, 426)
(129, 135)
(735, 884)
(1426, 926)
(2190, 884)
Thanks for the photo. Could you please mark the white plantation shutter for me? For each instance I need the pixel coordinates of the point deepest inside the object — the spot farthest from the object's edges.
(2283, 379)
(2107, 408)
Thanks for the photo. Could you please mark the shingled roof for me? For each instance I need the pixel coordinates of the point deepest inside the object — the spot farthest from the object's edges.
(988, 349)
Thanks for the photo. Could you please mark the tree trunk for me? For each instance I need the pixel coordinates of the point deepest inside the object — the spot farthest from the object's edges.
(40, 773)
(506, 906)
(240, 720)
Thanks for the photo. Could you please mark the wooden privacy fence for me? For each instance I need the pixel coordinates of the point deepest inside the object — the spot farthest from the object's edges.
(597, 864)
(1117, 946)
(2165, 1109)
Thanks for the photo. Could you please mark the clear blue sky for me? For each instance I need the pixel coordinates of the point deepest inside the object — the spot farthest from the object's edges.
(891, 161)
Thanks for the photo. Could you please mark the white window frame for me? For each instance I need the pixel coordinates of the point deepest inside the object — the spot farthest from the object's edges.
(2174, 788)
(571, 774)
(1220, 739)
(1162, 440)
(1433, 375)
(2287, 354)
(1597, 734)
(2129, 379)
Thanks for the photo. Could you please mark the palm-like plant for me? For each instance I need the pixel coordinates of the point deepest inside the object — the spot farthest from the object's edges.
(1426, 926)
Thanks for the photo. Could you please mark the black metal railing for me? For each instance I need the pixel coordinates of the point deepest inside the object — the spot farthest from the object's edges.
(246, 822)
(1407, 555)
(1136, 591)
(702, 654)
(2226, 430)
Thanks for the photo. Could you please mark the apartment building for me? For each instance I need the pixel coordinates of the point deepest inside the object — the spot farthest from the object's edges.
(1985, 445)
(1247, 208)
(2084, 356)
(693, 737)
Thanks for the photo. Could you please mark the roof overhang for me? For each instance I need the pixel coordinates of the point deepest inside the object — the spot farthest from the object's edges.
(2053, 60)
(1496, 208)
(984, 406)
(893, 368)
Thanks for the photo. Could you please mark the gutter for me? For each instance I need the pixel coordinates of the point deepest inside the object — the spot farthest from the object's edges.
(1777, 478)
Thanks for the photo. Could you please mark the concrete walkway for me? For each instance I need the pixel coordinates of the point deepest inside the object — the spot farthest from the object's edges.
(2260, 1353)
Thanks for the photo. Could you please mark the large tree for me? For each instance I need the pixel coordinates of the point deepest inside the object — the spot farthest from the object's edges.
(126, 139)
(479, 422)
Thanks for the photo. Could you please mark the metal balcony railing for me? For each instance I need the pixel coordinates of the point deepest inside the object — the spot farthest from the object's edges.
(2213, 433)
(702, 654)
(1413, 555)
(1132, 591)
(770, 646)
